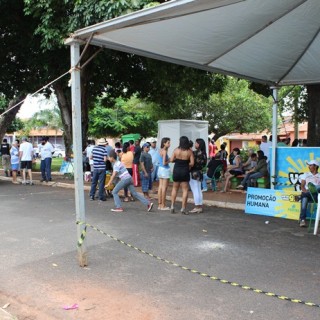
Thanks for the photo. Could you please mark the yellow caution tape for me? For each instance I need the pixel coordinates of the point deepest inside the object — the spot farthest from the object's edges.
(269, 294)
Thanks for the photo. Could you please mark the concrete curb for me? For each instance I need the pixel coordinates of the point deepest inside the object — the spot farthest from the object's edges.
(210, 203)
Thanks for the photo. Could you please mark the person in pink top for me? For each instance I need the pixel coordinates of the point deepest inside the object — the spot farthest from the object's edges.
(212, 148)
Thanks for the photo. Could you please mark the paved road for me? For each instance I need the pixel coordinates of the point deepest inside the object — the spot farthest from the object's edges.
(40, 273)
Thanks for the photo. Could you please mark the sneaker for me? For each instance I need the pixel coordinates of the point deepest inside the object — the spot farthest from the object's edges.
(117, 210)
(150, 205)
(31, 183)
(204, 190)
(24, 182)
(302, 223)
(240, 186)
(41, 180)
(91, 198)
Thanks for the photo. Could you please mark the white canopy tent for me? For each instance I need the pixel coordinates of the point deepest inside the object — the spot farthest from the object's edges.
(269, 41)
(276, 42)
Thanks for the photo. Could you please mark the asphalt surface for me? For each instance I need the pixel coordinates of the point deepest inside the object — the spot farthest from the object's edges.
(39, 254)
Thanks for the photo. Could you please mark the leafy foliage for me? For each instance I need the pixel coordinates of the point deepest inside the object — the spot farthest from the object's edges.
(45, 118)
(294, 99)
(125, 116)
(238, 109)
(18, 50)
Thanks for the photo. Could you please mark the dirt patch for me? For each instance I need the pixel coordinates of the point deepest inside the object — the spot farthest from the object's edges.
(95, 302)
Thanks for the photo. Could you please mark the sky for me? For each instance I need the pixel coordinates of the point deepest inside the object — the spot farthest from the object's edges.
(35, 104)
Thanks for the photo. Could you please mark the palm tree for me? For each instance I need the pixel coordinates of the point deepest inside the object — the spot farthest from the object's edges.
(47, 118)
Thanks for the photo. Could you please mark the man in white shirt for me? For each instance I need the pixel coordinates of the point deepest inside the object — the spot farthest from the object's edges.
(88, 153)
(26, 155)
(46, 159)
(314, 177)
(265, 146)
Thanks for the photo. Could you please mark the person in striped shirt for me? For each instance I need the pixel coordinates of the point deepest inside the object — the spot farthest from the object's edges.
(99, 157)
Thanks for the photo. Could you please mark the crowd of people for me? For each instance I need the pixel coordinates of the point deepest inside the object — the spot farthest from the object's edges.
(132, 164)
(19, 157)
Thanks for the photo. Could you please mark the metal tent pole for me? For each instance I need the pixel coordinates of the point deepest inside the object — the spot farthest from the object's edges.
(77, 148)
(274, 134)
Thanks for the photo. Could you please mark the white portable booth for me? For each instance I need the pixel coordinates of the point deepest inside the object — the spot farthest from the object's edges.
(174, 129)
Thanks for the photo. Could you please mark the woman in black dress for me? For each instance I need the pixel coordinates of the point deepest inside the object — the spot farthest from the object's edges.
(183, 160)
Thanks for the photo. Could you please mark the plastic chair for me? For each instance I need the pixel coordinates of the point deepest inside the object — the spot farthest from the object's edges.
(312, 191)
(214, 180)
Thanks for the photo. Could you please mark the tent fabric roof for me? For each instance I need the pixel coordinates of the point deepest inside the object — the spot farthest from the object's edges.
(269, 41)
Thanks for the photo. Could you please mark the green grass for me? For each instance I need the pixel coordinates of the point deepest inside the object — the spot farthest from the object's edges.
(55, 167)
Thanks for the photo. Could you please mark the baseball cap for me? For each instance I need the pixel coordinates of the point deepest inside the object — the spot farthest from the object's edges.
(315, 162)
(146, 145)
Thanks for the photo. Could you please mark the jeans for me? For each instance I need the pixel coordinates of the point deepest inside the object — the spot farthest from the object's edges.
(154, 174)
(305, 199)
(204, 182)
(99, 175)
(129, 184)
(45, 167)
(195, 186)
(146, 182)
(126, 188)
(249, 176)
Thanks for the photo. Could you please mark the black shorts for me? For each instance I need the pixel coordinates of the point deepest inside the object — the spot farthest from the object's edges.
(26, 164)
(236, 172)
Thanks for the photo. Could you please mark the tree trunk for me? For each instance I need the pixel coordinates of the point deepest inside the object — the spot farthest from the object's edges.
(6, 119)
(313, 115)
(64, 104)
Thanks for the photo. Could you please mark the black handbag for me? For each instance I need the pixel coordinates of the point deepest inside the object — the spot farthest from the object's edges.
(197, 175)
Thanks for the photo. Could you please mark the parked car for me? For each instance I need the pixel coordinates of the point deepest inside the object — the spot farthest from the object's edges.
(59, 153)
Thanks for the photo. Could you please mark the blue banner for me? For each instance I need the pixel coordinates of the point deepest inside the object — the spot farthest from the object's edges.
(273, 203)
(291, 164)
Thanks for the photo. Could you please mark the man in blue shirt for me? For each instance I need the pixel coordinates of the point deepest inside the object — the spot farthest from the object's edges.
(99, 157)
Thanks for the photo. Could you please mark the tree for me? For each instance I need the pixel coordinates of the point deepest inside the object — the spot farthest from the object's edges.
(125, 116)
(8, 122)
(313, 103)
(50, 119)
(55, 20)
(18, 56)
(114, 73)
(235, 109)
